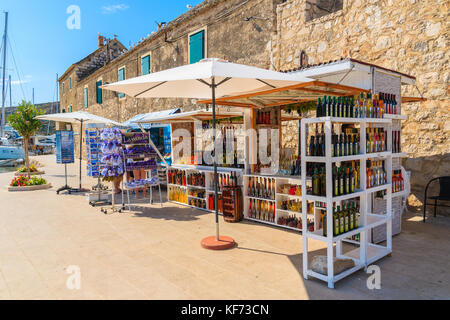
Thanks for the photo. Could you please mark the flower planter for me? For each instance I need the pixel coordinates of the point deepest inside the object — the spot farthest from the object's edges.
(30, 188)
(31, 173)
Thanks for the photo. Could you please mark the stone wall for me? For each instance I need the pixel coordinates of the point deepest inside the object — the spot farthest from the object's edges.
(239, 31)
(409, 36)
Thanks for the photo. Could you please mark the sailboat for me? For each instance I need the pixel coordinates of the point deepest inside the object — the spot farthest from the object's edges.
(10, 152)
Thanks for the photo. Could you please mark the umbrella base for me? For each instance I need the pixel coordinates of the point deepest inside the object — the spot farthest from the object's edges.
(224, 243)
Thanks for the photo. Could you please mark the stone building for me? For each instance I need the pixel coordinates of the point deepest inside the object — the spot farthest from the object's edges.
(409, 36)
(406, 35)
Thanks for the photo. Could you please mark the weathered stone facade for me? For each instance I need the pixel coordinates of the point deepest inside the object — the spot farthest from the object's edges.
(406, 35)
(409, 36)
(236, 30)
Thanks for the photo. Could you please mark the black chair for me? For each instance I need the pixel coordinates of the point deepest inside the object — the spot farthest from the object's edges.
(444, 194)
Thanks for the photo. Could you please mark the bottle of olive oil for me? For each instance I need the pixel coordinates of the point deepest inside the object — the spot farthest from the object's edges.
(341, 220)
(316, 183)
(355, 216)
(336, 228)
(346, 214)
(351, 217)
(324, 223)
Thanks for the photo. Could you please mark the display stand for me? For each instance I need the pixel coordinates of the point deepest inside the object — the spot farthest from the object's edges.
(65, 155)
(367, 253)
(138, 155)
(94, 167)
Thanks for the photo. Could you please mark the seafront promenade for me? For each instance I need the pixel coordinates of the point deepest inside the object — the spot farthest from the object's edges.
(155, 253)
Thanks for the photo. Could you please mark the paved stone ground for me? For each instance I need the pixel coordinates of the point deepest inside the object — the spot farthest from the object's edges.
(155, 253)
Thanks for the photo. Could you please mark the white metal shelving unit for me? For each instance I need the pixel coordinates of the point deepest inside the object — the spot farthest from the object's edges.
(366, 253)
(279, 180)
(209, 178)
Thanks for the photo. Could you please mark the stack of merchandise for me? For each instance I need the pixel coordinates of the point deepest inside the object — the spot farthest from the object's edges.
(93, 146)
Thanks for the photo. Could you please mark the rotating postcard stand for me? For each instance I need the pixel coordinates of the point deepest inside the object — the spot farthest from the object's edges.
(112, 160)
(95, 167)
(138, 154)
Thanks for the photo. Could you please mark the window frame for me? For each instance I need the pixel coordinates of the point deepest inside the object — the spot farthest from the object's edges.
(86, 96)
(122, 95)
(205, 44)
(96, 90)
(149, 55)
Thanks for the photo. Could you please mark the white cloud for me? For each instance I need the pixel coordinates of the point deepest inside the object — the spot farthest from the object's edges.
(27, 79)
(113, 8)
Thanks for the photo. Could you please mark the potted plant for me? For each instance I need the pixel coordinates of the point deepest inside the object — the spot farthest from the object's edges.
(23, 120)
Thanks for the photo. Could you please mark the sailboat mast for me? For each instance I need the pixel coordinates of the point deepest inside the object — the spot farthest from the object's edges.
(4, 74)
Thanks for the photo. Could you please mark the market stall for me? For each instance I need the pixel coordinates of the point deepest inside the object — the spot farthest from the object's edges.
(349, 184)
(345, 184)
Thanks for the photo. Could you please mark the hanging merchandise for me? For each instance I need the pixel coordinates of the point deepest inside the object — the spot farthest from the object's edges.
(139, 155)
(93, 151)
(111, 147)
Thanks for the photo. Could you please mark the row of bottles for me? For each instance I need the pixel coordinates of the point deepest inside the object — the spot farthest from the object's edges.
(389, 102)
(345, 144)
(345, 219)
(267, 117)
(293, 221)
(290, 205)
(199, 203)
(375, 174)
(364, 105)
(224, 179)
(197, 193)
(177, 194)
(396, 145)
(178, 177)
(398, 183)
(335, 107)
(346, 178)
(196, 179)
(261, 210)
(229, 137)
(375, 140)
(290, 165)
(261, 187)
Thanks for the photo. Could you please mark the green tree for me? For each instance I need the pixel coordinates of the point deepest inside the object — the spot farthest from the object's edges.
(23, 120)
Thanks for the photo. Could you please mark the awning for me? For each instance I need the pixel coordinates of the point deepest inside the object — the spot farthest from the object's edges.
(303, 92)
(133, 122)
(191, 116)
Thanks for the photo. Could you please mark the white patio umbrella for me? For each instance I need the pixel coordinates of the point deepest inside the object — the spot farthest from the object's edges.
(81, 117)
(207, 79)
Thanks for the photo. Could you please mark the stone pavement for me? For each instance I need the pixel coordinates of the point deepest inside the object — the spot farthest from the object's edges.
(155, 253)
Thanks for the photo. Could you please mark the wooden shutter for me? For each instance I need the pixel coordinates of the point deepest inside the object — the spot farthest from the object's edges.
(99, 92)
(197, 47)
(121, 78)
(145, 65)
(86, 98)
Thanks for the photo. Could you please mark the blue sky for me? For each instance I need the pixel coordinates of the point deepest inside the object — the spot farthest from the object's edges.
(42, 45)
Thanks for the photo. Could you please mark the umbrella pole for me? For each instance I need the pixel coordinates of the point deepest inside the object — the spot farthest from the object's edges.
(216, 191)
(81, 148)
(216, 242)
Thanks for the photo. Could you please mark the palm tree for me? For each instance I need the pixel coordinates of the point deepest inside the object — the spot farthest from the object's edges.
(23, 120)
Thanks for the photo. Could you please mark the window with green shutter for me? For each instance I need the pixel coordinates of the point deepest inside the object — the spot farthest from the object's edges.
(86, 104)
(197, 47)
(99, 92)
(121, 77)
(63, 88)
(145, 62)
(70, 83)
